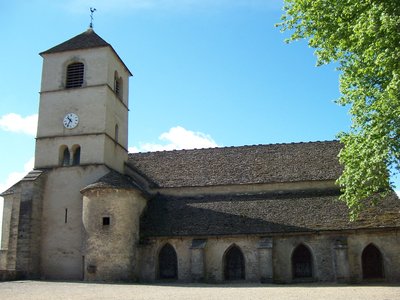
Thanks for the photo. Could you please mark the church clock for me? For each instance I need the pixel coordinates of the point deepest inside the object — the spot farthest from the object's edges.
(71, 120)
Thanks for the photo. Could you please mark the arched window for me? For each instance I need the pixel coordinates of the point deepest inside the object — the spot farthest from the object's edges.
(121, 88)
(167, 263)
(118, 85)
(116, 132)
(234, 268)
(76, 156)
(372, 263)
(75, 73)
(302, 262)
(64, 156)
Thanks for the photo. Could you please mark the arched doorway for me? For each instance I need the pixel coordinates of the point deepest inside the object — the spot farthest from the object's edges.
(372, 263)
(302, 263)
(234, 268)
(167, 263)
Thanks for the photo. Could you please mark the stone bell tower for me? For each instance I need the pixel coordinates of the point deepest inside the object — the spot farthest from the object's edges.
(83, 113)
(82, 134)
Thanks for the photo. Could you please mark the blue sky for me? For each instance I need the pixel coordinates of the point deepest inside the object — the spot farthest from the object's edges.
(206, 73)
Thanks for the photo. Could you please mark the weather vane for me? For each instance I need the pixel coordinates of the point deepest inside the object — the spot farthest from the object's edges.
(92, 10)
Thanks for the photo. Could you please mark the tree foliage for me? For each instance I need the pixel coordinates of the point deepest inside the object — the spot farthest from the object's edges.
(363, 37)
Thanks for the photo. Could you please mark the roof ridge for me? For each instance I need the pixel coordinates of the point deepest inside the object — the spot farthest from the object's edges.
(242, 146)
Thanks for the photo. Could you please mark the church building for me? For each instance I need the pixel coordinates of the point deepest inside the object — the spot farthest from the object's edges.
(91, 211)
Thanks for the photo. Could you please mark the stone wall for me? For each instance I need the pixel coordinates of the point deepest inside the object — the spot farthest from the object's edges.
(336, 256)
(210, 256)
(321, 248)
(20, 254)
(244, 188)
(9, 235)
(29, 227)
(111, 233)
(61, 242)
(388, 242)
(8, 275)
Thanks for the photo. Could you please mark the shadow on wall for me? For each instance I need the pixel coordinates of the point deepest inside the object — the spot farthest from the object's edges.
(188, 216)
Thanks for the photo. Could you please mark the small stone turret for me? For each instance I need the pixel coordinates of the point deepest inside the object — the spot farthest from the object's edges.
(111, 212)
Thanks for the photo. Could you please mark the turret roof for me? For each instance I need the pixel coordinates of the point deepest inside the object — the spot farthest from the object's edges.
(112, 180)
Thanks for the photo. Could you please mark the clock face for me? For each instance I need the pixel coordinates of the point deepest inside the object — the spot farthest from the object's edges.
(70, 121)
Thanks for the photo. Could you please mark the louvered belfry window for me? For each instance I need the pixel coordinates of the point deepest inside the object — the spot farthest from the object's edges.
(75, 75)
(117, 90)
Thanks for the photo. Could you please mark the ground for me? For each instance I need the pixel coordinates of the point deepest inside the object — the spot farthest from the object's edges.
(33, 290)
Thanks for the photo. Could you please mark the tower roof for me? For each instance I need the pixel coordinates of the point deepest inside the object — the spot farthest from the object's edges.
(86, 40)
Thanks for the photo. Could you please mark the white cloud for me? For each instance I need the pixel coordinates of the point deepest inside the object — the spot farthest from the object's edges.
(178, 138)
(14, 177)
(16, 123)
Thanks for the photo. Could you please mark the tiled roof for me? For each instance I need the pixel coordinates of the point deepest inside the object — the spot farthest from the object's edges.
(87, 39)
(240, 165)
(31, 176)
(112, 180)
(260, 214)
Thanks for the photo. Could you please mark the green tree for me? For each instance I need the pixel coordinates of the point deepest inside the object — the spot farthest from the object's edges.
(363, 37)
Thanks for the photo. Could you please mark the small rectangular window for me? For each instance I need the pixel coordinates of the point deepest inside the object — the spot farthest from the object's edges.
(66, 216)
(106, 221)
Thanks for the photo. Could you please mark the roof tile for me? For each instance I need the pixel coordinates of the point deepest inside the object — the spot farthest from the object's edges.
(85, 40)
(261, 214)
(240, 165)
(112, 180)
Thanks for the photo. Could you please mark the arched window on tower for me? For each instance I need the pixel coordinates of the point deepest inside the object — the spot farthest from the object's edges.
(234, 267)
(118, 85)
(167, 263)
(121, 88)
(75, 72)
(76, 155)
(64, 156)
